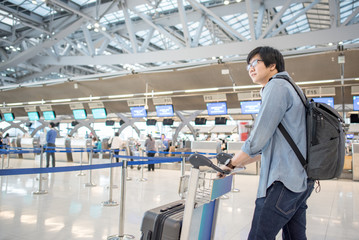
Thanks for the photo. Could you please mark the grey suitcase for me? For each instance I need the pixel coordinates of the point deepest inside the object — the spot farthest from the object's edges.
(164, 222)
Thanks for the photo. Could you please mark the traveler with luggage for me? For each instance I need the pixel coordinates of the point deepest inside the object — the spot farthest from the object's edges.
(283, 186)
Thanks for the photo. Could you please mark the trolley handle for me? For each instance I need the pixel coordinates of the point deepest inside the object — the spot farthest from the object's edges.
(198, 160)
(223, 157)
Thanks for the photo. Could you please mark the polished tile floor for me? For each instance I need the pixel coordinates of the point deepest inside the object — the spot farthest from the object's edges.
(70, 210)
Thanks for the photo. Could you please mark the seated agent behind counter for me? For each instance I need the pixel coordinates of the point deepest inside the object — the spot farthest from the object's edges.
(283, 185)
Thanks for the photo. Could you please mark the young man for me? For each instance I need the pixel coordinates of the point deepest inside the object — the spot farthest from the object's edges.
(50, 144)
(283, 185)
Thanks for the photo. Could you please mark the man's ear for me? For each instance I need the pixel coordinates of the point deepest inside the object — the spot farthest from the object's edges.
(272, 67)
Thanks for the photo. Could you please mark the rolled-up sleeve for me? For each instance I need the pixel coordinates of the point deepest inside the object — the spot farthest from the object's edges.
(275, 102)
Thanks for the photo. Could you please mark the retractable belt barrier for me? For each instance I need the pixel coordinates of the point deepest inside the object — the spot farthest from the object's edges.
(151, 160)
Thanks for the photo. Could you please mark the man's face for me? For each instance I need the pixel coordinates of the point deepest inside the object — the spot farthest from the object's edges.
(258, 71)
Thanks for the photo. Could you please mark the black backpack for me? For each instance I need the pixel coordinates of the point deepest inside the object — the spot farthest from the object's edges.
(325, 138)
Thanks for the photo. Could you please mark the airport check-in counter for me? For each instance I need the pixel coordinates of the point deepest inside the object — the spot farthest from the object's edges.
(80, 145)
(355, 164)
(61, 144)
(28, 144)
(233, 147)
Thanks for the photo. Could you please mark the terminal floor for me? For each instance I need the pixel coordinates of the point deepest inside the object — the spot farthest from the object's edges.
(70, 210)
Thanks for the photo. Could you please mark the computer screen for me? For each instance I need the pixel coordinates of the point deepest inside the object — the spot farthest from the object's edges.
(164, 110)
(138, 112)
(99, 113)
(49, 115)
(350, 136)
(217, 108)
(33, 116)
(79, 114)
(356, 103)
(9, 117)
(168, 121)
(250, 107)
(151, 122)
(326, 100)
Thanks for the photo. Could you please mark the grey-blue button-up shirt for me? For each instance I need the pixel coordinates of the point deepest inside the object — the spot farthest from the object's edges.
(280, 103)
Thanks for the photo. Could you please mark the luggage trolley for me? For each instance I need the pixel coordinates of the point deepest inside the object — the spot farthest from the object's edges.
(195, 217)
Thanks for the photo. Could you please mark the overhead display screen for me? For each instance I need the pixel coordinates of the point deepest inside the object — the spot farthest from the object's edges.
(99, 113)
(164, 110)
(250, 107)
(79, 114)
(33, 116)
(138, 112)
(356, 103)
(49, 115)
(326, 100)
(9, 117)
(217, 108)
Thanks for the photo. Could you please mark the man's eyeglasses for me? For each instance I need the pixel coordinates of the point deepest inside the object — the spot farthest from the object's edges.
(253, 64)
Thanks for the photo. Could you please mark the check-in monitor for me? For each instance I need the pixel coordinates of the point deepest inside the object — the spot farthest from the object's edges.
(138, 112)
(99, 113)
(49, 115)
(79, 114)
(250, 107)
(33, 116)
(217, 108)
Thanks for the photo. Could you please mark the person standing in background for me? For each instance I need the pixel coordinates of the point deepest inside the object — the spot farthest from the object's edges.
(150, 145)
(116, 144)
(50, 144)
(165, 145)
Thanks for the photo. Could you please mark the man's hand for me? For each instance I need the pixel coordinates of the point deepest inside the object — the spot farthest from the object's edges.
(225, 168)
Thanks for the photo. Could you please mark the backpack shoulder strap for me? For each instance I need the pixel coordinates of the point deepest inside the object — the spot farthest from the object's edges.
(281, 127)
(293, 145)
(302, 97)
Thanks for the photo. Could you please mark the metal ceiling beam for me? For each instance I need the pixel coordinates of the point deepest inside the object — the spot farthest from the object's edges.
(129, 26)
(286, 24)
(250, 18)
(146, 43)
(13, 9)
(202, 21)
(276, 19)
(218, 20)
(24, 56)
(160, 29)
(351, 17)
(182, 13)
(90, 47)
(320, 37)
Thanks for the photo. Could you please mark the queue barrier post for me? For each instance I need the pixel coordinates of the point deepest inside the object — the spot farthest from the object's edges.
(40, 191)
(8, 160)
(81, 156)
(142, 179)
(121, 234)
(183, 166)
(128, 178)
(110, 202)
(2, 160)
(90, 183)
(234, 190)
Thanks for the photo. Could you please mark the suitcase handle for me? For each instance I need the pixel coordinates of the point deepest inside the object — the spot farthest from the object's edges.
(170, 207)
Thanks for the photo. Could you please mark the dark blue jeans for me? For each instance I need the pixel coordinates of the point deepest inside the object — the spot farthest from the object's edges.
(281, 209)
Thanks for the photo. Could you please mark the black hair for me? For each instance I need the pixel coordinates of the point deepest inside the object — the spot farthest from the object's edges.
(117, 134)
(52, 124)
(269, 56)
(149, 136)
